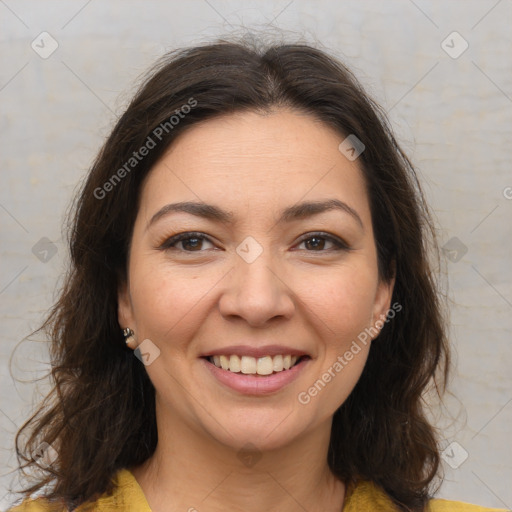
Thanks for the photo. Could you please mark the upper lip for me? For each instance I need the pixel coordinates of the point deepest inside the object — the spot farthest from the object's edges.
(248, 350)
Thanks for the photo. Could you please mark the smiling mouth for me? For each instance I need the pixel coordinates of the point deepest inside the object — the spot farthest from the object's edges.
(262, 366)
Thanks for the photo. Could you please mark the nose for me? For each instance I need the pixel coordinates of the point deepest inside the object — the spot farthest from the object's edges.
(257, 292)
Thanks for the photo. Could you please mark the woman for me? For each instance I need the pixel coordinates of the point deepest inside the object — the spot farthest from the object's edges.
(250, 319)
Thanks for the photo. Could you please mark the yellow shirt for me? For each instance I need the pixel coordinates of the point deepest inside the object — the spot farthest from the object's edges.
(363, 497)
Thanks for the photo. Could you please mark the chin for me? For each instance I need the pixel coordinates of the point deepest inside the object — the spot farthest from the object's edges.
(258, 430)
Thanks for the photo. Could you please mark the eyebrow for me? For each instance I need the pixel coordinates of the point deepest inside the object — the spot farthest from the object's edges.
(295, 212)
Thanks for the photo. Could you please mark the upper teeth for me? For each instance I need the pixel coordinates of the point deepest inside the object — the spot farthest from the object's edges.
(251, 365)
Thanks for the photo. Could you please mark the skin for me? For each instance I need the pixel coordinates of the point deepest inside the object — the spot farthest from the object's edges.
(199, 296)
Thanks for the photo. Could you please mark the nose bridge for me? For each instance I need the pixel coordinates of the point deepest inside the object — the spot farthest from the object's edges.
(256, 290)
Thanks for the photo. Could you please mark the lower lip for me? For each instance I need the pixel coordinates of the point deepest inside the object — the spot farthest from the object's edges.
(256, 384)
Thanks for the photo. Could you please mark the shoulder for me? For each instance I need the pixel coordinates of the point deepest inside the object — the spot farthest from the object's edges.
(367, 495)
(438, 505)
(127, 497)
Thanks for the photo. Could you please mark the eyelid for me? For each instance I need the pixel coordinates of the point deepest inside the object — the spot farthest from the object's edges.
(337, 241)
(172, 240)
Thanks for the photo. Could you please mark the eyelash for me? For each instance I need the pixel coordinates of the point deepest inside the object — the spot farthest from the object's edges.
(173, 240)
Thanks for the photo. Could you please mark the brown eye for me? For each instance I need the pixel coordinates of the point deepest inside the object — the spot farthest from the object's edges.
(190, 242)
(193, 244)
(322, 242)
(315, 242)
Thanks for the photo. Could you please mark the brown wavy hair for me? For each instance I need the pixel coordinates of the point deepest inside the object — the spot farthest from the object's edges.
(100, 413)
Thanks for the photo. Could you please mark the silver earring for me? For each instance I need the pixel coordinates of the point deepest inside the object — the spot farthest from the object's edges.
(129, 338)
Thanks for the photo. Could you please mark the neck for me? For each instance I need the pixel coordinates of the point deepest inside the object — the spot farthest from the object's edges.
(192, 471)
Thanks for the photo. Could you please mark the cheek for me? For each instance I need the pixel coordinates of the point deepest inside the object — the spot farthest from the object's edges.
(344, 301)
(166, 300)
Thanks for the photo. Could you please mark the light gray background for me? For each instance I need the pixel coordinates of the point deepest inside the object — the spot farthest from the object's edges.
(452, 115)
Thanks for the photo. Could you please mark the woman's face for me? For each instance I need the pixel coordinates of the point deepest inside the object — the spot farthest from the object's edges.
(276, 258)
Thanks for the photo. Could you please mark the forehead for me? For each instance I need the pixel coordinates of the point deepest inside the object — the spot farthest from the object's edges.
(255, 161)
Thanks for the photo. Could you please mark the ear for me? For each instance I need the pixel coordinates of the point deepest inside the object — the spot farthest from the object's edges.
(382, 304)
(124, 307)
